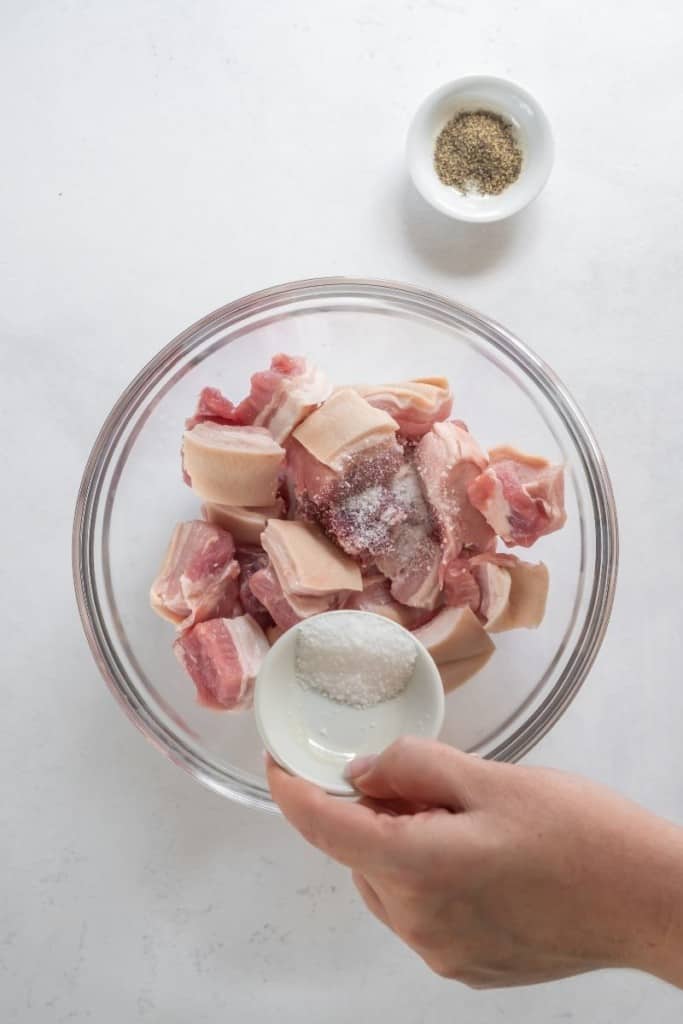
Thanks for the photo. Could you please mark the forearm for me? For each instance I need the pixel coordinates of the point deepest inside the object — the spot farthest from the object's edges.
(659, 944)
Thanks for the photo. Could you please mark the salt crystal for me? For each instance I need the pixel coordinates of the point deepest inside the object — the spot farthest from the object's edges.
(355, 659)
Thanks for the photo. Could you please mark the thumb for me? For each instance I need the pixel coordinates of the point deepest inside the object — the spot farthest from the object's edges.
(421, 772)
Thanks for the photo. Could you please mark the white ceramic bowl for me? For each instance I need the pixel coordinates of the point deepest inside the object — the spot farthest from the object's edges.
(480, 92)
(315, 737)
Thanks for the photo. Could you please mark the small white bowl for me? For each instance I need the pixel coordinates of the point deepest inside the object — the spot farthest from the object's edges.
(480, 92)
(315, 737)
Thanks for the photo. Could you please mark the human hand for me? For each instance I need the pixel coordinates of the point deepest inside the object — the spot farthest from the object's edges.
(501, 874)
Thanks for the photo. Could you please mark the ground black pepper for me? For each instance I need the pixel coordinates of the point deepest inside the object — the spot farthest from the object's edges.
(477, 152)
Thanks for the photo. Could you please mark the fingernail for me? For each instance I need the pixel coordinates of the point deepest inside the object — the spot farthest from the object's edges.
(359, 766)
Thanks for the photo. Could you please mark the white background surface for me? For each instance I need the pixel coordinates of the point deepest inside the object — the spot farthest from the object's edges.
(159, 159)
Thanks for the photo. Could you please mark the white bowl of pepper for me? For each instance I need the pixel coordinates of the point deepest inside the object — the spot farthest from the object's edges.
(480, 149)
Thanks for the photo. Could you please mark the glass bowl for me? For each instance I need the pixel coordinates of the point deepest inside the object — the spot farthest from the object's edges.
(358, 331)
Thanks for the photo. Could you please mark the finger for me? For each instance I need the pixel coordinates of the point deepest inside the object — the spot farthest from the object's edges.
(396, 808)
(370, 898)
(422, 772)
(347, 830)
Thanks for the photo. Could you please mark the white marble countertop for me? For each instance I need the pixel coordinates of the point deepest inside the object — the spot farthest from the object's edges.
(161, 158)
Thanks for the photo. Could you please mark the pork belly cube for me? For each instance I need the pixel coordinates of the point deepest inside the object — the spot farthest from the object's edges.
(513, 593)
(232, 465)
(342, 427)
(376, 597)
(245, 524)
(455, 673)
(251, 560)
(306, 574)
(222, 657)
(383, 518)
(286, 394)
(213, 407)
(361, 509)
(528, 595)
(460, 588)
(313, 484)
(280, 398)
(286, 609)
(448, 459)
(199, 576)
(306, 562)
(454, 634)
(412, 563)
(521, 496)
(415, 405)
(495, 584)
(458, 643)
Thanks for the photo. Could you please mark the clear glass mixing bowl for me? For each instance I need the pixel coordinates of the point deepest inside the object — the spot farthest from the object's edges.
(358, 331)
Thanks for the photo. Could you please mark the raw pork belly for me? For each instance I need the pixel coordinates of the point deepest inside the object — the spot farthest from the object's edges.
(376, 597)
(448, 459)
(251, 560)
(365, 498)
(521, 496)
(460, 587)
(342, 427)
(280, 398)
(513, 593)
(307, 574)
(342, 460)
(459, 644)
(284, 395)
(232, 465)
(286, 609)
(306, 562)
(212, 407)
(411, 558)
(415, 405)
(245, 524)
(198, 579)
(222, 657)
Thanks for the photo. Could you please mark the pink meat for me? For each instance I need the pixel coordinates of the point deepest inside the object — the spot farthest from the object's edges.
(267, 591)
(285, 609)
(266, 384)
(222, 657)
(252, 560)
(279, 399)
(521, 496)
(313, 484)
(214, 407)
(198, 579)
(411, 558)
(376, 597)
(460, 585)
(375, 510)
(448, 459)
(362, 521)
(354, 505)
(416, 405)
(286, 394)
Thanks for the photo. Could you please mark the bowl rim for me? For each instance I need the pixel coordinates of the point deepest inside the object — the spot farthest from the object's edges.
(481, 215)
(412, 299)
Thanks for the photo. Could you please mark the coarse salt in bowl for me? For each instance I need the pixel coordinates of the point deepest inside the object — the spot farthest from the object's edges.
(357, 331)
(340, 685)
(498, 96)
